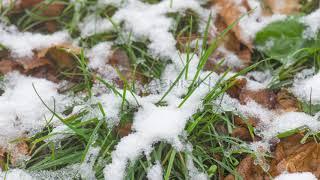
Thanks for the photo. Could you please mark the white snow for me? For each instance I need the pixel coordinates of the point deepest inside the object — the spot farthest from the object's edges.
(255, 21)
(21, 110)
(307, 89)
(15, 174)
(258, 80)
(6, 3)
(86, 168)
(289, 121)
(296, 176)
(169, 120)
(98, 55)
(155, 172)
(22, 44)
(194, 173)
(149, 21)
(313, 23)
(94, 24)
(230, 59)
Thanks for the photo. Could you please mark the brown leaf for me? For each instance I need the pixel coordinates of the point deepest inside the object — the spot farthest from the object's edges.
(283, 7)
(240, 122)
(7, 66)
(264, 97)
(20, 150)
(121, 61)
(289, 155)
(249, 171)
(287, 101)
(44, 9)
(124, 130)
(236, 89)
(61, 55)
(242, 133)
(230, 11)
(292, 156)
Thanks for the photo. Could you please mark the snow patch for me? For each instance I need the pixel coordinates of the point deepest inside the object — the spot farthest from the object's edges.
(155, 172)
(22, 44)
(307, 89)
(21, 110)
(313, 22)
(296, 176)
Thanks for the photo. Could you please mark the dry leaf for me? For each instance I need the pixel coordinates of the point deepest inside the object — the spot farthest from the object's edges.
(19, 152)
(230, 11)
(124, 130)
(264, 97)
(287, 101)
(283, 6)
(236, 89)
(7, 66)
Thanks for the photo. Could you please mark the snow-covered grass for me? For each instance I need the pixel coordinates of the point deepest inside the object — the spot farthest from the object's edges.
(178, 131)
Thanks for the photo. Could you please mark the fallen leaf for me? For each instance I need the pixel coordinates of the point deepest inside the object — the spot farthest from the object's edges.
(124, 130)
(7, 66)
(241, 133)
(264, 97)
(287, 101)
(18, 153)
(237, 88)
(230, 11)
(250, 121)
(287, 7)
(61, 55)
(249, 171)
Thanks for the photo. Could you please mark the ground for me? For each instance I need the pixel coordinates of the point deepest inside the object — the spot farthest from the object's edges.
(159, 89)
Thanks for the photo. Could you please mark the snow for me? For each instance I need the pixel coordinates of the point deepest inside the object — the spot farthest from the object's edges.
(307, 88)
(169, 120)
(255, 21)
(86, 168)
(98, 55)
(289, 121)
(155, 172)
(6, 3)
(313, 24)
(149, 21)
(296, 176)
(194, 174)
(94, 24)
(22, 44)
(258, 80)
(15, 174)
(230, 59)
(21, 110)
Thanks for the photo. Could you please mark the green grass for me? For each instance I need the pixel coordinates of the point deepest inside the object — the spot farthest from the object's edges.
(209, 130)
